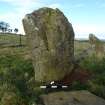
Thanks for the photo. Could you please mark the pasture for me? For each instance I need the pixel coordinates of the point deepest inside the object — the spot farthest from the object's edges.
(17, 73)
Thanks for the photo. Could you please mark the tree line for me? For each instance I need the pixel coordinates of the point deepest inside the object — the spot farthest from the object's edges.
(5, 27)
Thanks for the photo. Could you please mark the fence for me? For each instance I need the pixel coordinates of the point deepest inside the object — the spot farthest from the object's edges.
(9, 39)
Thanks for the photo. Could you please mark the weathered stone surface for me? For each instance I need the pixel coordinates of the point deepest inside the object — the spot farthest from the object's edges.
(97, 45)
(72, 98)
(51, 39)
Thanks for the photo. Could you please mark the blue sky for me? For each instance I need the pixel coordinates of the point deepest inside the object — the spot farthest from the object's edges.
(86, 16)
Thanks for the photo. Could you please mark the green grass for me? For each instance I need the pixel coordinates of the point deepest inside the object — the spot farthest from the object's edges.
(9, 44)
(95, 66)
(11, 39)
(97, 69)
(80, 46)
(17, 73)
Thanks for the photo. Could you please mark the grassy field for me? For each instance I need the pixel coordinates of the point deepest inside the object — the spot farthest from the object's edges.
(12, 41)
(9, 44)
(17, 73)
(7, 39)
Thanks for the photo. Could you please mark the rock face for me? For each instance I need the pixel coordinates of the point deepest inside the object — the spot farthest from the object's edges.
(97, 45)
(51, 39)
(72, 98)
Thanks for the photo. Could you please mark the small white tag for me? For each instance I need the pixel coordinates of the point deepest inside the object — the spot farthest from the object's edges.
(42, 87)
(53, 86)
(64, 86)
(36, 28)
(52, 82)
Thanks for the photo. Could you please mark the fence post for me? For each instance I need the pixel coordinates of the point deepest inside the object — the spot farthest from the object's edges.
(20, 40)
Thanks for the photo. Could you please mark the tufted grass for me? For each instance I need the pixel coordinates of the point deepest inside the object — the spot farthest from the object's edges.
(15, 62)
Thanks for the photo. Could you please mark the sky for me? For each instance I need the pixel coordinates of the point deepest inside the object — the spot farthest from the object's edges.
(86, 16)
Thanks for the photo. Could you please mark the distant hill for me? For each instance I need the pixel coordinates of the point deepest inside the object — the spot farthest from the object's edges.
(86, 39)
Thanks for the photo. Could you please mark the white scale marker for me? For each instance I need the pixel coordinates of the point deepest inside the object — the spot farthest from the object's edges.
(43, 87)
(52, 82)
(53, 86)
(64, 86)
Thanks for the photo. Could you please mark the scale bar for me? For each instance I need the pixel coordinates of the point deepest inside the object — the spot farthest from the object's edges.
(53, 87)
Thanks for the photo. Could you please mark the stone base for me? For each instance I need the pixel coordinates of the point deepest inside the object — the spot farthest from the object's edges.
(72, 98)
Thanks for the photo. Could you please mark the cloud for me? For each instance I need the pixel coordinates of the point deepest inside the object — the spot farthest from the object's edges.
(78, 5)
(54, 6)
(83, 30)
(102, 5)
(21, 8)
(19, 2)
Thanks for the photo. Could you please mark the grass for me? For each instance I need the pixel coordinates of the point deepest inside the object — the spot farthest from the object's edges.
(97, 69)
(17, 73)
(11, 39)
(95, 66)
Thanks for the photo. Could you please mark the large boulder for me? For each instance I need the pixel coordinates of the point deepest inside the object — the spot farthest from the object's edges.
(72, 98)
(51, 39)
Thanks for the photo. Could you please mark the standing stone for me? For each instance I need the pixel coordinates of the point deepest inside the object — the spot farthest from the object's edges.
(97, 45)
(51, 39)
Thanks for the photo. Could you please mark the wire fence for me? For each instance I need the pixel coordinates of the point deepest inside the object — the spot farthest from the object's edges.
(9, 39)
